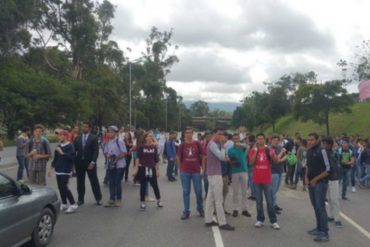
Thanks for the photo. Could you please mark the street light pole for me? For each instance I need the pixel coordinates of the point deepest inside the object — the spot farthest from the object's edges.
(130, 95)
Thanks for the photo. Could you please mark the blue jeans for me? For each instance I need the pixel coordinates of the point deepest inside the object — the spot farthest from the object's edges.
(276, 181)
(367, 177)
(317, 197)
(186, 187)
(250, 183)
(267, 190)
(346, 176)
(115, 186)
(22, 164)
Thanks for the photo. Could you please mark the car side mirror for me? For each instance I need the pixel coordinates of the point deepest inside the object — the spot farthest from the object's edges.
(24, 190)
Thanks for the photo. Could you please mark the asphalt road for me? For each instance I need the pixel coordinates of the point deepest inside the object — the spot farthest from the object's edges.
(127, 226)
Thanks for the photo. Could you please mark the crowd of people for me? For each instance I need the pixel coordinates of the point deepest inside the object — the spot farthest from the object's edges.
(251, 164)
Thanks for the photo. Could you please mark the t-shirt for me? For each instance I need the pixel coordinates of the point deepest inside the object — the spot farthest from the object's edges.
(238, 159)
(345, 156)
(277, 168)
(116, 147)
(190, 157)
(262, 166)
(148, 155)
(22, 151)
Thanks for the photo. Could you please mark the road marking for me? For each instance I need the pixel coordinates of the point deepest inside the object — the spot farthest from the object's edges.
(354, 224)
(217, 235)
(8, 168)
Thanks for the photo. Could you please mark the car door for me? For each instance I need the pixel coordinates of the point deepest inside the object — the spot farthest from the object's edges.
(16, 217)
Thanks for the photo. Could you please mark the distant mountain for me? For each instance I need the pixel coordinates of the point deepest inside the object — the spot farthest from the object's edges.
(224, 106)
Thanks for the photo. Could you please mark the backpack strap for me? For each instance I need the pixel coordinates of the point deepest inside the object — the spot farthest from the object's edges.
(267, 151)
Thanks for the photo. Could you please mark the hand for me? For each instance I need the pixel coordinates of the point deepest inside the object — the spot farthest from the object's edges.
(91, 166)
(283, 150)
(59, 150)
(227, 159)
(49, 173)
(313, 183)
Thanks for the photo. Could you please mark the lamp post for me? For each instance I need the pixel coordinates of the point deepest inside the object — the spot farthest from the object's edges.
(166, 110)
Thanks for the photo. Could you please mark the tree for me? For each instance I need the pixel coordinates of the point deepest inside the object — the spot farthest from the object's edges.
(316, 101)
(199, 109)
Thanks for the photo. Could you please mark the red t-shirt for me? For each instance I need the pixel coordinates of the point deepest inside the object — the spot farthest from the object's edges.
(262, 166)
(190, 157)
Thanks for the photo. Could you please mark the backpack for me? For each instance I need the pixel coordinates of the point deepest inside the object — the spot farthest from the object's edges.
(292, 159)
(44, 142)
(182, 151)
(165, 149)
(334, 166)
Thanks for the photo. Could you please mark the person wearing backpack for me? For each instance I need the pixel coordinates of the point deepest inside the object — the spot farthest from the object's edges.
(191, 158)
(291, 162)
(365, 160)
(333, 185)
(301, 165)
(347, 160)
(262, 158)
(318, 170)
(170, 153)
(115, 152)
(38, 155)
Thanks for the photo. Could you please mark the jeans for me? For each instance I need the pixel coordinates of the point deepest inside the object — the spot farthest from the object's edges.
(299, 174)
(115, 185)
(22, 164)
(267, 190)
(317, 197)
(290, 174)
(186, 188)
(346, 176)
(356, 173)
(170, 168)
(367, 177)
(276, 181)
(250, 183)
(126, 170)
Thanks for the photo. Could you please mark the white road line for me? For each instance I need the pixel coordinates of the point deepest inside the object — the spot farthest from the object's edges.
(354, 224)
(217, 235)
(8, 168)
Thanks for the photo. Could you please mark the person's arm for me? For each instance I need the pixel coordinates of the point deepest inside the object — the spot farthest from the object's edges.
(220, 154)
(123, 150)
(95, 150)
(325, 173)
(48, 151)
(253, 155)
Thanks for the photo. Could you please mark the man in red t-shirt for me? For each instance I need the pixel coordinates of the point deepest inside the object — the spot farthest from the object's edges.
(261, 158)
(190, 156)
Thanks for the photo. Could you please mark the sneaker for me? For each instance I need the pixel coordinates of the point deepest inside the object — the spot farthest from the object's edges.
(71, 209)
(338, 224)
(159, 204)
(253, 198)
(185, 216)
(98, 203)
(118, 203)
(345, 198)
(209, 224)
(201, 213)
(275, 226)
(258, 224)
(354, 189)
(330, 219)
(246, 213)
(63, 207)
(20, 181)
(314, 232)
(79, 203)
(277, 212)
(278, 208)
(235, 213)
(109, 204)
(142, 206)
(322, 238)
(227, 227)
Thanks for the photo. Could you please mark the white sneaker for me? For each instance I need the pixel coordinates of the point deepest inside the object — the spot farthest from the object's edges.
(275, 226)
(63, 207)
(72, 209)
(354, 189)
(258, 224)
(142, 206)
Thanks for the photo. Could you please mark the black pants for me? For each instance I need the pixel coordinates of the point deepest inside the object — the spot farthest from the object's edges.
(64, 191)
(290, 174)
(126, 170)
(145, 178)
(81, 171)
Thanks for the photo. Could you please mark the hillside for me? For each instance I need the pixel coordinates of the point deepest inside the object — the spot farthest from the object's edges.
(356, 122)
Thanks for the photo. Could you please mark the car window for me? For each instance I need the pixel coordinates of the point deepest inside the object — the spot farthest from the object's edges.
(7, 187)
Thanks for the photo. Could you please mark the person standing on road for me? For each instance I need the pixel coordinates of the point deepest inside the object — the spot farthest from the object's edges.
(170, 153)
(262, 158)
(38, 155)
(318, 169)
(147, 163)
(215, 198)
(346, 158)
(238, 162)
(333, 184)
(87, 152)
(191, 158)
(62, 163)
(115, 152)
(21, 151)
(129, 146)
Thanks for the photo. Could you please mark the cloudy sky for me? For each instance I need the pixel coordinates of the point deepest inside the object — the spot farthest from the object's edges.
(227, 48)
